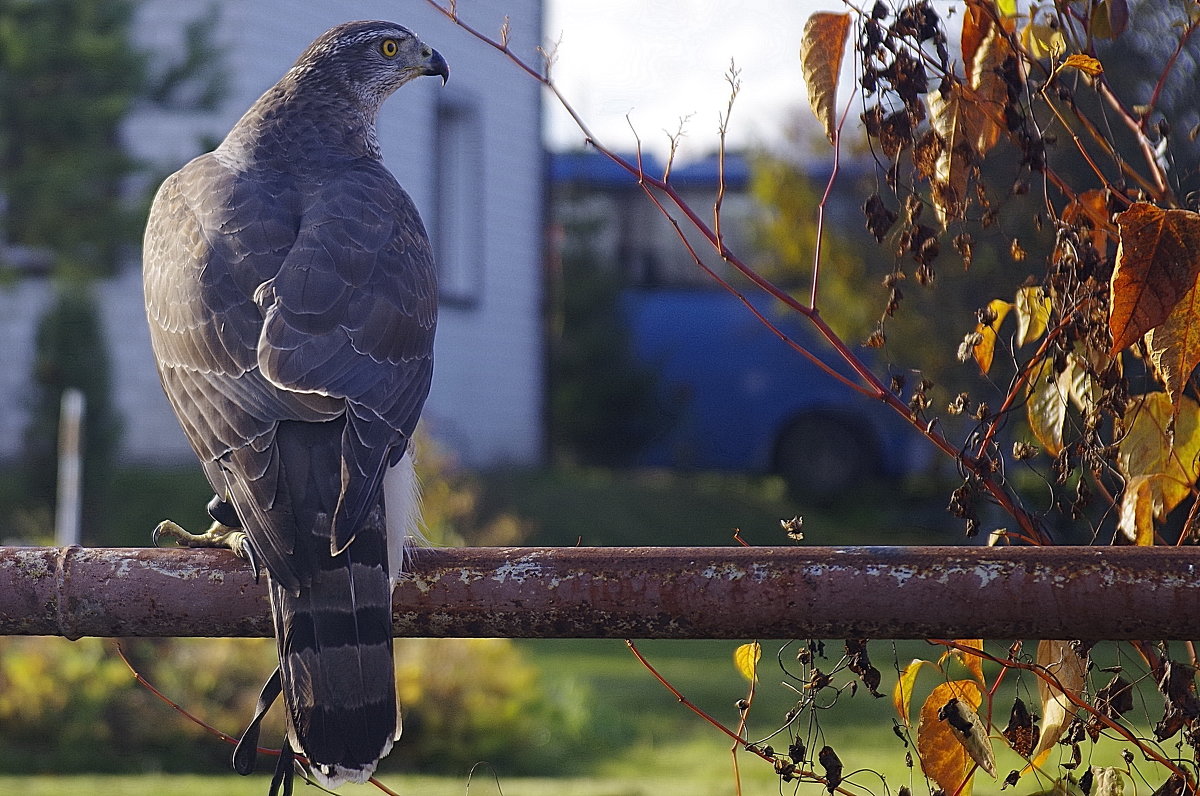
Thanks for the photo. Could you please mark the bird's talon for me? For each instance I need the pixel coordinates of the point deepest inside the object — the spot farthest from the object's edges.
(167, 528)
(217, 535)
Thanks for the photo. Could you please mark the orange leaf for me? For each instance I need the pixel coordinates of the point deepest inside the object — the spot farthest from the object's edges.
(984, 48)
(1084, 63)
(1090, 208)
(821, 50)
(986, 349)
(943, 757)
(1158, 260)
(977, 26)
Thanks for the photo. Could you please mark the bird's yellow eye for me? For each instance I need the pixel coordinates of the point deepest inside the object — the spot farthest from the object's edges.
(389, 48)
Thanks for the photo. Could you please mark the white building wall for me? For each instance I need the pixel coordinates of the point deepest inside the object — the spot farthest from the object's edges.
(486, 403)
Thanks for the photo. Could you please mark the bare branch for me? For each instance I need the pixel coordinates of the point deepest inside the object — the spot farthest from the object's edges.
(733, 78)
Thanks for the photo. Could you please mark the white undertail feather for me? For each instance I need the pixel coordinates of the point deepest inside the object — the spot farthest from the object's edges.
(402, 513)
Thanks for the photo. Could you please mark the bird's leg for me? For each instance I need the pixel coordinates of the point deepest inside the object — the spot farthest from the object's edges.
(217, 535)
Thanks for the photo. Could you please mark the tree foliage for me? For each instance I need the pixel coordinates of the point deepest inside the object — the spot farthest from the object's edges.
(1099, 339)
(991, 122)
(68, 77)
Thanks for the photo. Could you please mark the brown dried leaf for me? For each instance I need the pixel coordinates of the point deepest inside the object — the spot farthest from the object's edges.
(1021, 733)
(1115, 699)
(821, 49)
(943, 757)
(1158, 260)
(959, 123)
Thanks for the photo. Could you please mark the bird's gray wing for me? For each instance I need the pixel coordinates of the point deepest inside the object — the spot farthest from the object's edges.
(212, 238)
(351, 315)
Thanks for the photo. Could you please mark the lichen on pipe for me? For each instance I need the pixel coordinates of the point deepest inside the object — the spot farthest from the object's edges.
(641, 592)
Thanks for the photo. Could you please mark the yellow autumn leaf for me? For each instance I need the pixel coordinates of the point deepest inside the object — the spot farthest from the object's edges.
(1162, 443)
(969, 661)
(1046, 408)
(1033, 314)
(986, 349)
(821, 49)
(1050, 393)
(1058, 709)
(1084, 63)
(745, 660)
(1174, 345)
(1139, 505)
(943, 757)
(1043, 41)
(902, 694)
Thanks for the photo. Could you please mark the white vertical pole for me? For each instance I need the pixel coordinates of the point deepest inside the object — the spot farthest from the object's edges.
(70, 454)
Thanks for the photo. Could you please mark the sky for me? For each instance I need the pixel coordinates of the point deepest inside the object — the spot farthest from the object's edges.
(657, 62)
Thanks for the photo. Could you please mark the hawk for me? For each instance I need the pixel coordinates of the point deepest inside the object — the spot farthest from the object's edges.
(292, 298)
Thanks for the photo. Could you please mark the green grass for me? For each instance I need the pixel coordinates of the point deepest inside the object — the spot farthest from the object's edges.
(633, 736)
(481, 784)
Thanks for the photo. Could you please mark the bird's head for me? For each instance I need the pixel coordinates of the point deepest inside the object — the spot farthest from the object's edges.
(369, 60)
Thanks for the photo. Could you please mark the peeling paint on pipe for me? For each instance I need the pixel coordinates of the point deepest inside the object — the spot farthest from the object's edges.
(641, 592)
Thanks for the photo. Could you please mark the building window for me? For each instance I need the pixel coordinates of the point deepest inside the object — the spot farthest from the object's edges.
(458, 187)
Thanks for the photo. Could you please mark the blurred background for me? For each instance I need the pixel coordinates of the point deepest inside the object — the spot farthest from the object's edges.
(593, 385)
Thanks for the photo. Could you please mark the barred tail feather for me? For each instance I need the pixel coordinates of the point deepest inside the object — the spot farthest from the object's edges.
(335, 658)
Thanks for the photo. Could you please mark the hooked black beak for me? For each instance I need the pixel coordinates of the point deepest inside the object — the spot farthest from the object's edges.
(437, 66)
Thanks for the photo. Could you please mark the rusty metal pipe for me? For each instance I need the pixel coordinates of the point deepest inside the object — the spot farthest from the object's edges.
(641, 592)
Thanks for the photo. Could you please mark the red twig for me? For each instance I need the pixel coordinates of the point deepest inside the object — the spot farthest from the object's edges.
(211, 730)
(871, 384)
(735, 737)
